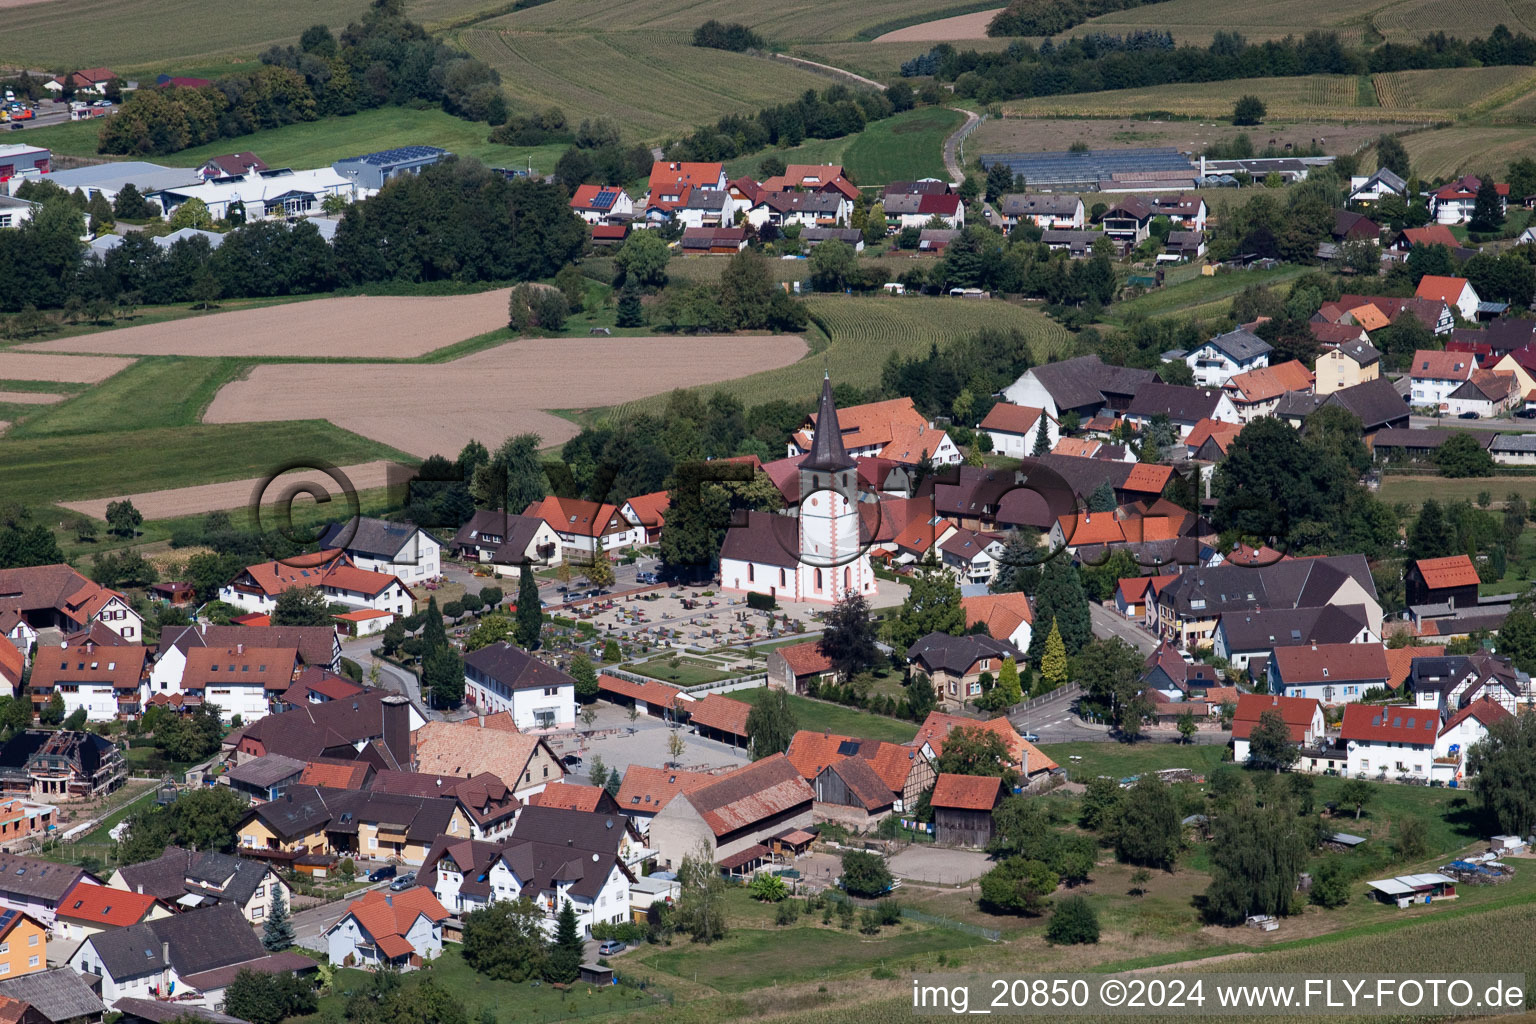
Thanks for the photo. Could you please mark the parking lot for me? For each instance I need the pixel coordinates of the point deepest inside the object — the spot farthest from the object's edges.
(621, 743)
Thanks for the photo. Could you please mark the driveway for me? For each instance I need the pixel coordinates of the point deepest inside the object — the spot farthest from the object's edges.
(939, 864)
(1109, 623)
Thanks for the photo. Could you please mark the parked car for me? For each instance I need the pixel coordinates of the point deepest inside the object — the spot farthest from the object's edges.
(1468, 416)
(102, 103)
(403, 883)
(647, 577)
(1030, 737)
(380, 874)
(610, 947)
(571, 760)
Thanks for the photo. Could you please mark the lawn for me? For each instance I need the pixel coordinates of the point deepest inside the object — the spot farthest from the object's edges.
(157, 391)
(1412, 490)
(838, 718)
(687, 672)
(749, 958)
(903, 147)
(1120, 760)
(41, 471)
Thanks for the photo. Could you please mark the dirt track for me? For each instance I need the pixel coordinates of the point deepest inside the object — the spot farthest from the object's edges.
(491, 395)
(385, 327)
(944, 30)
(15, 365)
(186, 501)
(30, 397)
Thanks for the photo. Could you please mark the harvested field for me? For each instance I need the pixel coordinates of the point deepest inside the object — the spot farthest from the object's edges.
(493, 394)
(30, 397)
(366, 326)
(944, 30)
(16, 365)
(1447, 152)
(1304, 98)
(188, 501)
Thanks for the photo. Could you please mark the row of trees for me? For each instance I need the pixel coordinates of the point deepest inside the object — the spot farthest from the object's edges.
(833, 113)
(384, 60)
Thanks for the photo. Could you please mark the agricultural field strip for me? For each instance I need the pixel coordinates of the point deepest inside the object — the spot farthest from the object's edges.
(184, 501)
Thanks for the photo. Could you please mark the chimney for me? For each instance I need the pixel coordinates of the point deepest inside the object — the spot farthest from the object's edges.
(140, 888)
(396, 728)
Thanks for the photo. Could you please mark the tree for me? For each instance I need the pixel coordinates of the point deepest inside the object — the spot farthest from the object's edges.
(1148, 830)
(76, 719)
(1393, 155)
(301, 606)
(1462, 456)
(442, 675)
(770, 724)
(1187, 726)
(1075, 922)
(277, 933)
(701, 910)
(972, 750)
(932, 606)
(1358, 793)
(534, 307)
(1256, 855)
(1248, 110)
(1102, 499)
(599, 571)
(675, 745)
(865, 874)
(1430, 536)
(1018, 567)
(513, 478)
(1053, 662)
(565, 953)
(832, 265)
(192, 214)
(1060, 595)
(269, 998)
(1110, 671)
(492, 628)
(123, 520)
(848, 637)
(1412, 839)
(505, 940)
(1487, 208)
(1100, 809)
(529, 617)
(52, 712)
(630, 312)
(1018, 886)
(585, 675)
(999, 181)
(1505, 765)
(1270, 744)
(642, 259)
(1009, 691)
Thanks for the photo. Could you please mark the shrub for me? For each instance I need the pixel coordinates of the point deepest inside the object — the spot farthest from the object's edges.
(761, 602)
(1075, 922)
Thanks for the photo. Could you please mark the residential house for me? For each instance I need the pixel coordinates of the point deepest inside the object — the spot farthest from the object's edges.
(1175, 679)
(1390, 740)
(730, 817)
(1461, 731)
(90, 80)
(1221, 358)
(60, 765)
(56, 597)
(795, 667)
(507, 542)
(1044, 211)
(1185, 210)
(804, 209)
(1330, 336)
(1182, 246)
(1376, 404)
(1368, 190)
(1256, 393)
(1440, 586)
(648, 511)
(1436, 375)
(1135, 596)
(714, 240)
(1023, 756)
(484, 801)
(720, 718)
(1354, 227)
(586, 528)
(919, 211)
(332, 572)
(1455, 203)
(1247, 639)
(644, 791)
(1487, 394)
(954, 664)
(1007, 616)
(888, 777)
(892, 429)
(1448, 683)
(1455, 292)
(1184, 407)
(23, 943)
(20, 817)
(1350, 363)
(388, 929)
(13, 212)
(1330, 673)
(105, 681)
(402, 550)
(1087, 535)
(1128, 221)
(572, 796)
(503, 677)
(1078, 244)
(646, 696)
(812, 178)
(1085, 385)
(705, 208)
(265, 778)
(375, 726)
(1209, 440)
(318, 647)
(467, 749)
(963, 806)
(1373, 312)
(970, 555)
(1015, 429)
(188, 879)
(1520, 364)
(1302, 715)
(349, 823)
(671, 180)
(596, 204)
(240, 680)
(56, 996)
(90, 909)
(1431, 234)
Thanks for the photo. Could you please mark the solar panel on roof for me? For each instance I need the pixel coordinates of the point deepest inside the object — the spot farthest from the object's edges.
(604, 200)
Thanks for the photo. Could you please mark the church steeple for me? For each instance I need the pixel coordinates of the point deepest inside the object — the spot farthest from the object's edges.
(827, 452)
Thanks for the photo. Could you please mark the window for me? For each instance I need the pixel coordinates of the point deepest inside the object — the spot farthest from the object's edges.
(32, 961)
(32, 939)
(261, 891)
(819, 583)
(258, 913)
(373, 842)
(751, 573)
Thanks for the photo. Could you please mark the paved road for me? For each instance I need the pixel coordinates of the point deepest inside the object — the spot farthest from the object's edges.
(1107, 623)
(1502, 426)
(390, 676)
(952, 144)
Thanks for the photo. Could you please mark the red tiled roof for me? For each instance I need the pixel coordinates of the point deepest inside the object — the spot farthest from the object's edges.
(651, 508)
(1428, 364)
(573, 515)
(241, 665)
(1451, 571)
(1004, 418)
(650, 691)
(648, 790)
(323, 569)
(1484, 709)
(1219, 695)
(761, 790)
(1205, 429)
(1446, 289)
(586, 197)
(811, 752)
(1297, 712)
(387, 917)
(1148, 478)
(334, 774)
(1400, 662)
(1003, 613)
(101, 905)
(806, 659)
(938, 725)
(11, 663)
(966, 792)
(1266, 382)
(1320, 663)
(1389, 724)
(568, 795)
(1434, 234)
(613, 232)
(722, 713)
